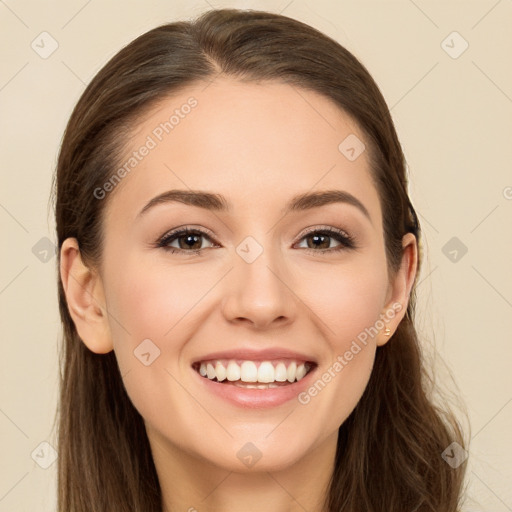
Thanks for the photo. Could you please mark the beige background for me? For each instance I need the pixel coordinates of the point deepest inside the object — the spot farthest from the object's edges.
(454, 118)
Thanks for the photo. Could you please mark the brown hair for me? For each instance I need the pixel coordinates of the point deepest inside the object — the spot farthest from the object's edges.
(389, 449)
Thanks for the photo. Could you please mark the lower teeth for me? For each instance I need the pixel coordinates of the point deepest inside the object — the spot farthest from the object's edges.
(255, 386)
(247, 385)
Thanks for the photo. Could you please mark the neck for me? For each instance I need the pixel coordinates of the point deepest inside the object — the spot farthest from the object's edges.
(192, 484)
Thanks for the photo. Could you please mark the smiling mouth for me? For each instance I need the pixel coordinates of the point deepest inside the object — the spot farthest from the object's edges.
(254, 374)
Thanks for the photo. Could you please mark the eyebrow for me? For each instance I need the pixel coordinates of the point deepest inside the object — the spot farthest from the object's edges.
(218, 203)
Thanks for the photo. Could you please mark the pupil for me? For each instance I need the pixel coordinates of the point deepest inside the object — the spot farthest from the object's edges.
(317, 237)
(189, 238)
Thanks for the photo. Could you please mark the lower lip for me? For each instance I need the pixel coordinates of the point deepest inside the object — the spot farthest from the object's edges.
(257, 398)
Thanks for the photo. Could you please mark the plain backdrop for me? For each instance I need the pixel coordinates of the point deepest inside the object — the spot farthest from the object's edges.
(445, 71)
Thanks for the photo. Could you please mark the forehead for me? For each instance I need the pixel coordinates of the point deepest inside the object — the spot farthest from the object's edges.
(256, 143)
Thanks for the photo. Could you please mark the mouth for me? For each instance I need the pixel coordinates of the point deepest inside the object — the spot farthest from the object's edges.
(250, 374)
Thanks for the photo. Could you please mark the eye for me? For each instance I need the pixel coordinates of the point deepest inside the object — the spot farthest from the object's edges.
(318, 240)
(187, 239)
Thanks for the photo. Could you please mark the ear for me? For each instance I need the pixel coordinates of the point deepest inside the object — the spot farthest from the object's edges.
(85, 297)
(400, 288)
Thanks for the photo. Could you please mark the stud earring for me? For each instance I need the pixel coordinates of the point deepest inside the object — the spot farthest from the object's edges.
(387, 332)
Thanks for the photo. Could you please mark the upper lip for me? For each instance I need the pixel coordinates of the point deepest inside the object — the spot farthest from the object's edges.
(257, 355)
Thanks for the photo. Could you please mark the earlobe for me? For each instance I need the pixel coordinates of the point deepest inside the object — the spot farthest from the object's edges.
(400, 288)
(85, 298)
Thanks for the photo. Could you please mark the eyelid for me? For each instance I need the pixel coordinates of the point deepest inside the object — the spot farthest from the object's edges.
(187, 227)
(314, 229)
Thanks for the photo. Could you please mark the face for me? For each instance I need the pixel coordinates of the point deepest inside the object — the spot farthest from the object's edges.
(270, 282)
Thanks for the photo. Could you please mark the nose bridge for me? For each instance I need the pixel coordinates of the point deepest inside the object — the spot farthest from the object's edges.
(258, 288)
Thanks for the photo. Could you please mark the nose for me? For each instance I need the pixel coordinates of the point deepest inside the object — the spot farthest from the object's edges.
(259, 293)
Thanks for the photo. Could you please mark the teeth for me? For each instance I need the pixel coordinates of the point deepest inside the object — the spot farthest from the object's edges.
(220, 372)
(210, 371)
(249, 372)
(292, 370)
(256, 386)
(233, 371)
(301, 372)
(266, 373)
(280, 374)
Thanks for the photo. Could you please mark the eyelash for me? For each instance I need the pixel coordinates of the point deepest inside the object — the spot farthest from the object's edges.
(346, 241)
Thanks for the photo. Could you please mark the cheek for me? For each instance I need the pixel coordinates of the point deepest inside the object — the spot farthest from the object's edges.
(347, 299)
(149, 301)
(348, 303)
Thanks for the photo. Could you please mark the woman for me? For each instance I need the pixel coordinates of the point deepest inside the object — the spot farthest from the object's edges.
(238, 254)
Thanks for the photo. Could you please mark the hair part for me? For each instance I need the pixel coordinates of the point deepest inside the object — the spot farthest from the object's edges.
(389, 449)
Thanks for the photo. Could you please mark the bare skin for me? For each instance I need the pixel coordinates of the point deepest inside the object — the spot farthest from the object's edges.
(258, 145)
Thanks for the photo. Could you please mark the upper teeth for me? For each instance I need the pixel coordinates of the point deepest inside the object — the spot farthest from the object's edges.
(248, 371)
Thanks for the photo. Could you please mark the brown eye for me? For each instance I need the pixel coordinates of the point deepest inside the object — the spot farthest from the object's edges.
(188, 240)
(319, 240)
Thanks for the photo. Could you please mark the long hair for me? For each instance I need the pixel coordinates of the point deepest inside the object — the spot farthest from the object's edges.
(389, 453)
